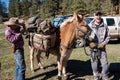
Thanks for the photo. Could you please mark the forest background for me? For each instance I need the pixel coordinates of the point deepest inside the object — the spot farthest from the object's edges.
(51, 8)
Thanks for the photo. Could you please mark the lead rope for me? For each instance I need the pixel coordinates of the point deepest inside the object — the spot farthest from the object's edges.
(83, 38)
(85, 50)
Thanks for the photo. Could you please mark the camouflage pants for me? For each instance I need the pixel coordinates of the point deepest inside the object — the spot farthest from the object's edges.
(96, 57)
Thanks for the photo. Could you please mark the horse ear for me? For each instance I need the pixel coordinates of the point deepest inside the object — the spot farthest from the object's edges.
(77, 17)
(81, 17)
(75, 14)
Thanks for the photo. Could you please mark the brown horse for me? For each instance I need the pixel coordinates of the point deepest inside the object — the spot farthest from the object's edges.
(42, 40)
(68, 31)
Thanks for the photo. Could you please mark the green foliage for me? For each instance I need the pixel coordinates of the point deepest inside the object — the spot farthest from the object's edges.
(18, 8)
(25, 4)
(51, 8)
(11, 8)
(35, 7)
(79, 6)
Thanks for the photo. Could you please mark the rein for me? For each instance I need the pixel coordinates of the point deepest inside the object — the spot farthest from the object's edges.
(85, 49)
(86, 35)
(77, 30)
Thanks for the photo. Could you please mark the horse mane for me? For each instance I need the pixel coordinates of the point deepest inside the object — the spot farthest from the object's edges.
(67, 21)
(71, 19)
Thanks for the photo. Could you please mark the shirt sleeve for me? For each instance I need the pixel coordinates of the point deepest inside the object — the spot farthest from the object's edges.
(12, 37)
(107, 36)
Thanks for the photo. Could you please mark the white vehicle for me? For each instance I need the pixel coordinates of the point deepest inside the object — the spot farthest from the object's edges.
(113, 24)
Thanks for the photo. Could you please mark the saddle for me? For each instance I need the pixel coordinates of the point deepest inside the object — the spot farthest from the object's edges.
(33, 23)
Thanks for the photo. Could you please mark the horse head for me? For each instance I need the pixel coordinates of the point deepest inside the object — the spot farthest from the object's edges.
(73, 28)
(82, 29)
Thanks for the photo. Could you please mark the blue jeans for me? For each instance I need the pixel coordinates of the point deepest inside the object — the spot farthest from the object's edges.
(20, 64)
(104, 63)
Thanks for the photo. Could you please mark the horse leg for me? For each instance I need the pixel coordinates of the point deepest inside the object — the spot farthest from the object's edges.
(61, 58)
(65, 62)
(61, 61)
(59, 67)
(32, 58)
(38, 59)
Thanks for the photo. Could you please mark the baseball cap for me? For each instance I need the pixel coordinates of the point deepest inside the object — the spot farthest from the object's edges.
(98, 13)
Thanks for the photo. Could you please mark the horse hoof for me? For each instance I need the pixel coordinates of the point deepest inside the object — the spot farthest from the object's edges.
(42, 68)
(65, 75)
(33, 71)
(59, 78)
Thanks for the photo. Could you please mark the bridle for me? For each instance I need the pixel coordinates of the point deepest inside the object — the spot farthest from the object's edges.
(80, 30)
(85, 33)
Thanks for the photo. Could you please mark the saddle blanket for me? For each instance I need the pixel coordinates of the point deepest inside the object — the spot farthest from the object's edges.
(58, 21)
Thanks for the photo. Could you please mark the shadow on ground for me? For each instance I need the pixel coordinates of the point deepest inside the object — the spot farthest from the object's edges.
(114, 71)
(77, 70)
(114, 42)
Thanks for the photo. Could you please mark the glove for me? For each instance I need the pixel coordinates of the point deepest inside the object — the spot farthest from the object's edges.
(101, 45)
(92, 45)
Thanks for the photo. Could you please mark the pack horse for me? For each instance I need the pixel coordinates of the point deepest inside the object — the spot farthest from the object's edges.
(59, 41)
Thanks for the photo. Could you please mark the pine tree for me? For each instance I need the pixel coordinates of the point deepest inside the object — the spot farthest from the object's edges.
(49, 8)
(18, 8)
(25, 4)
(11, 8)
(35, 7)
(92, 6)
(66, 6)
(79, 6)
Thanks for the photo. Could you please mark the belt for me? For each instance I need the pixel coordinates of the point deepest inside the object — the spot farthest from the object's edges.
(20, 48)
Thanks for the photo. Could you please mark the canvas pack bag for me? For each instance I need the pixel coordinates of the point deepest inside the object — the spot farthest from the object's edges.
(44, 42)
(33, 23)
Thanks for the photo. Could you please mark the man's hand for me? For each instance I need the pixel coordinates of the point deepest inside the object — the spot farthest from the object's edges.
(92, 45)
(13, 49)
(21, 30)
(101, 45)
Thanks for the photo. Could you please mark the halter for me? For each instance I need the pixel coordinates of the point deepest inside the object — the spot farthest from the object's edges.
(78, 29)
(85, 33)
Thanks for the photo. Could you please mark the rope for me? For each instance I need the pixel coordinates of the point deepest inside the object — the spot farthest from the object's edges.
(85, 50)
